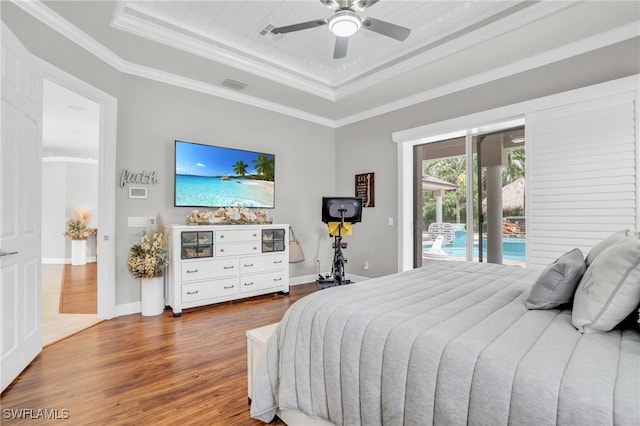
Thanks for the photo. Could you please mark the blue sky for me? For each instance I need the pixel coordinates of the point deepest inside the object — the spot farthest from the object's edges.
(207, 160)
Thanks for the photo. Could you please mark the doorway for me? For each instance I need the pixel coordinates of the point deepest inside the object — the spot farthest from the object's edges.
(105, 210)
(469, 195)
(70, 163)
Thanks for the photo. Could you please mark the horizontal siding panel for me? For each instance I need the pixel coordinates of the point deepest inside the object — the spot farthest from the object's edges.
(592, 222)
(586, 182)
(597, 136)
(604, 196)
(568, 175)
(594, 159)
(582, 177)
(580, 205)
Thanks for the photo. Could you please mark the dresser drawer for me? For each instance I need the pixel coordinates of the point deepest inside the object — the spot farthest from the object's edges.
(236, 235)
(209, 289)
(262, 263)
(262, 281)
(237, 249)
(203, 270)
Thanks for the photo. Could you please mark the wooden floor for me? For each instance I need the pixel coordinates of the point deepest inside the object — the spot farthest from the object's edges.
(151, 370)
(79, 293)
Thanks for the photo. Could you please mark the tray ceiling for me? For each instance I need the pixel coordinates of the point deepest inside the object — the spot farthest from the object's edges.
(453, 45)
(241, 29)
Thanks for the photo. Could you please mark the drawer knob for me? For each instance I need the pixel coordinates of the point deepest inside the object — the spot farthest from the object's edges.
(249, 265)
(221, 236)
(221, 250)
(251, 283)
(278, 279)
(277, 261)
(191, 271)
(228, 286)
(192, 292)
(228, 267)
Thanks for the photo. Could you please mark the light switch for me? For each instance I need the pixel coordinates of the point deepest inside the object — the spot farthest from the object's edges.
(390, 221)
(137, 221)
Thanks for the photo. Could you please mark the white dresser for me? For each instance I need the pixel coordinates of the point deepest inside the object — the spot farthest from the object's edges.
(218, 263)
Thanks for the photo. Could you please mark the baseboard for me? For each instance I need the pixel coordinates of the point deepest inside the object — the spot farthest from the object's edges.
(54, 260)
(128, 309)
(306, 279)
(65, 260)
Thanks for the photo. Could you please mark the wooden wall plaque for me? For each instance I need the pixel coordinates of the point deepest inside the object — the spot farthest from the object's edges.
(365, 189)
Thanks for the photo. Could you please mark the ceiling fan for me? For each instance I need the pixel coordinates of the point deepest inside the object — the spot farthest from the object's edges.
(345, 22)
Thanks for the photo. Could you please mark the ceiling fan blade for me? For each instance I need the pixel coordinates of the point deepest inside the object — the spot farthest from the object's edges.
(365, 4)
(340, 50)
(300, 26)
(386, 28)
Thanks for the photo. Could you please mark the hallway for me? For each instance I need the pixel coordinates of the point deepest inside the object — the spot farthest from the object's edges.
(79, 297)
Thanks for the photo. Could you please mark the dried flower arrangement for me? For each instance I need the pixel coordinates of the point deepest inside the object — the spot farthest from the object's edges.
(78, 228)
(148, 258)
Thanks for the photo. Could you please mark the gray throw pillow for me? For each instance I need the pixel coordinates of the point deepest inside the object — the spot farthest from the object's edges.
(557, 284)
(610, 289)
(611, 239)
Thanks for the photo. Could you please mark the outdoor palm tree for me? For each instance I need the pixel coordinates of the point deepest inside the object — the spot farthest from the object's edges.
(515, 168)
(240, 168)
(452, 170)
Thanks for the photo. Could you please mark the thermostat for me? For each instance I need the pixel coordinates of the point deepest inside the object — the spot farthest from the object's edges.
(137, 192)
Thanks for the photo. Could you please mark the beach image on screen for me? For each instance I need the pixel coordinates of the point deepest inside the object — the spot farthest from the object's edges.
(210, 176)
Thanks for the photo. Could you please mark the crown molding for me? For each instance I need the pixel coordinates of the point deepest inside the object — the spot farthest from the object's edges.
(64, 27)
(496, 28)
(73, 33)
(192, 45)
(585, 45)
(58, 159)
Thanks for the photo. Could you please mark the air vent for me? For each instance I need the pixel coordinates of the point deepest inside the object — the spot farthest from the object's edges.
(266, 31)
(237, 85)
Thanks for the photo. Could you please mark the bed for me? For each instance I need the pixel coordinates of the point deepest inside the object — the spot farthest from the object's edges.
(450, 343)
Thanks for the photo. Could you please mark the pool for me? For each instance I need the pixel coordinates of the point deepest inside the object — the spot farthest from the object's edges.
(513, 248)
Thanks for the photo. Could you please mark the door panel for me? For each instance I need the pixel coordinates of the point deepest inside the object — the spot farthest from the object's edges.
(20, 287)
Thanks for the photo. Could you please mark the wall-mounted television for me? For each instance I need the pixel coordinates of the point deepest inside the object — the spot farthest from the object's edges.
(216, 176)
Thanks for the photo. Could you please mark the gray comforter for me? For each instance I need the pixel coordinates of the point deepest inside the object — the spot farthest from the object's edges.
(449, 344)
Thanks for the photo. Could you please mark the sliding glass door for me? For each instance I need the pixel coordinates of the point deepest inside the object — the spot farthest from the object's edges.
(469, 198)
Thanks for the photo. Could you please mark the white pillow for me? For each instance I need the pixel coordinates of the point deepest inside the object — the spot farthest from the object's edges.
(610, 289)
(611, 239)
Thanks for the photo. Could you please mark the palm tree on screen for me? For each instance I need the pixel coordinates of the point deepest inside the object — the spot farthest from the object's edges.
(240, 168)
(265, 166)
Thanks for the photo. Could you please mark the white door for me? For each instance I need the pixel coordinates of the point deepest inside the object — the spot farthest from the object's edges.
(20, 289)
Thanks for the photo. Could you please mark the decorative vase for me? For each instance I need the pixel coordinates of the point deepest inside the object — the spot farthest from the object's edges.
(152, 296)
(78, 252)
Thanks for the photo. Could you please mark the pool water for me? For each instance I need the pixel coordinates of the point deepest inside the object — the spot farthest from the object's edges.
(513, 248)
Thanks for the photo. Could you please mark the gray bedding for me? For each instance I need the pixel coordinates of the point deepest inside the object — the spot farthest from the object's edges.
(451, 343)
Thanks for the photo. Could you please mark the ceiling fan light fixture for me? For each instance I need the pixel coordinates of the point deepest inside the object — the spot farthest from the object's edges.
(344, 23)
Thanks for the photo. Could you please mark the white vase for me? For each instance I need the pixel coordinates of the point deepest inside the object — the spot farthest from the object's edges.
(152, 296)
(78, 252)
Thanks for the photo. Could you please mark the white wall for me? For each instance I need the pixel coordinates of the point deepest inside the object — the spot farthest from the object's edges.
(152, 115)
(67, 184)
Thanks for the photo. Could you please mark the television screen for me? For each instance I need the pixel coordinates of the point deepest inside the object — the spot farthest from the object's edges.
(213, 176)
